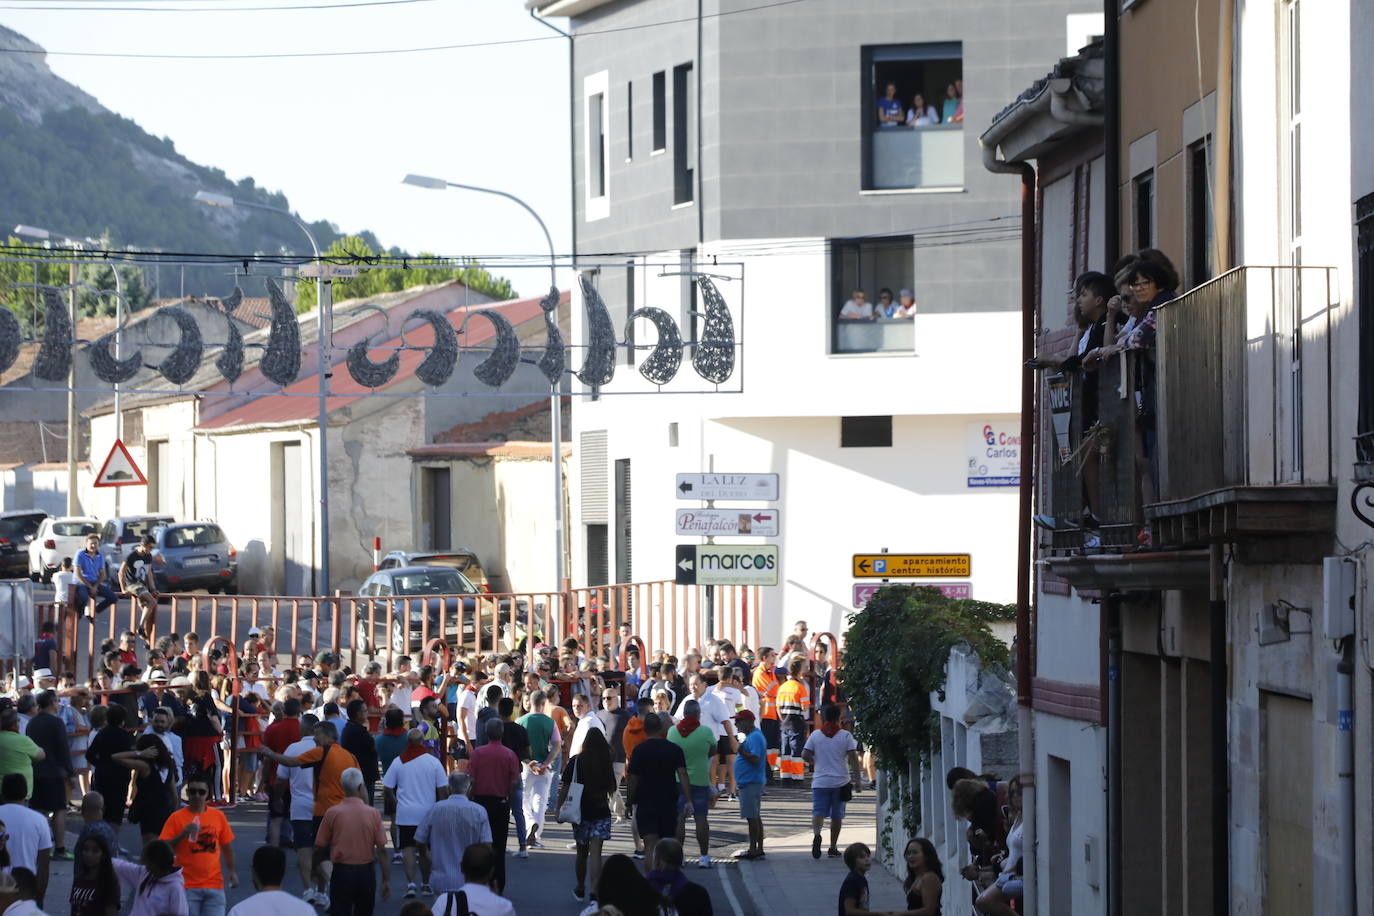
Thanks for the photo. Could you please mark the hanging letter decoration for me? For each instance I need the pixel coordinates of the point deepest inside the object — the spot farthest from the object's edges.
(666, 359)
(10, 338)
(599, 367)
(181, 365)
(554, 362)
(109, 369)
(438, 365)
(282, 361)
(54, 357)
(713, 357)
(364, 371)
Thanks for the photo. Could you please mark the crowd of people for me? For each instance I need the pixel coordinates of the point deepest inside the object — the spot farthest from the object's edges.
(858, 308)
(438, 773)
(893, 113)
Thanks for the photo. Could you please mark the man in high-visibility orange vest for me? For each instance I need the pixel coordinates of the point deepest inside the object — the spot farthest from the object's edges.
(766, 683)
(794, 707)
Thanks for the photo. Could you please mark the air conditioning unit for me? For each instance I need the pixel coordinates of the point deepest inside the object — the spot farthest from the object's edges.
(1338, 597)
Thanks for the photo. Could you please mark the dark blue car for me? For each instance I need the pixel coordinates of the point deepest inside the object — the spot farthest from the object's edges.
(195, 555)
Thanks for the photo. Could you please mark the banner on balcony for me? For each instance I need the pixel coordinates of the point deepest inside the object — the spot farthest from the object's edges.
(1060, 398)
(994, 453)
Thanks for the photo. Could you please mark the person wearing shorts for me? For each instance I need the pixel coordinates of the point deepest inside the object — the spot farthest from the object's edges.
(655, 779)
(300, 793)
(751, 773)
(830, 750)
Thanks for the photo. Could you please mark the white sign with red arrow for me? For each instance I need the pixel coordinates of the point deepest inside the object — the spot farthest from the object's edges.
(728, 522)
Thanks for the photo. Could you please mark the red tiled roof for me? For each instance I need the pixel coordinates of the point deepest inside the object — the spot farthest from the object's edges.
(272, 408)
(486, 450)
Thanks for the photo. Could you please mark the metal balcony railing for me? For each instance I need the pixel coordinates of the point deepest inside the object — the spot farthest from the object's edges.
(1244, 382)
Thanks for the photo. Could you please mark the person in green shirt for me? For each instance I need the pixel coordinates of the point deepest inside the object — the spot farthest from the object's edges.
(18, 753)
(698, 744)
(536, 777)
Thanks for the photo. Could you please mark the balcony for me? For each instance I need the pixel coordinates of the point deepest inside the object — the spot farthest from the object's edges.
(1243, 447)
(906, 158)
(885, 335)
(1244, 376)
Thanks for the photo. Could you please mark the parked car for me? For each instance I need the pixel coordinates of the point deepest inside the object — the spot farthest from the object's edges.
(195, 555)
(120, 535)
(17, 529)
(57, 538)
(378, 623)
(462, 559)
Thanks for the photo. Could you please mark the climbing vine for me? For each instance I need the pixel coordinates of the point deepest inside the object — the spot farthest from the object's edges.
(896, 650)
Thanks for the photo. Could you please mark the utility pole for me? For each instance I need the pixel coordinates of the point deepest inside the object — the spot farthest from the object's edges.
(73, 430)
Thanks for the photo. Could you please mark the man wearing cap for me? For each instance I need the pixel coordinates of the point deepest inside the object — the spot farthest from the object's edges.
(159, 695)
(751, 773)
(91, 579)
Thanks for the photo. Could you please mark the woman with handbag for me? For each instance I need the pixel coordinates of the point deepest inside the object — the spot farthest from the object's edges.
(584, 802)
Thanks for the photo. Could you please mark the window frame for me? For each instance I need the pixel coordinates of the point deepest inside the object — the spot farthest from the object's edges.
(596, 154)
(660, 113)
(906, 52)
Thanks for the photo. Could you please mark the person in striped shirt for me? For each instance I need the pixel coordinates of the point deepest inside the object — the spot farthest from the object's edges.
(794, 708)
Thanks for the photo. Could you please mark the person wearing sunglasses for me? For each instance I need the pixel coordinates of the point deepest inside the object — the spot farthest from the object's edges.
(201, 836)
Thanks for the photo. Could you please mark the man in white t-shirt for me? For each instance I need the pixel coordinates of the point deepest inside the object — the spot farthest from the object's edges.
(467, 712)
(831, 751)
(302, 782)
(269, 870)
(858, 308)
(727, 689)
(413, 783)
(30, 838)
(406, 679)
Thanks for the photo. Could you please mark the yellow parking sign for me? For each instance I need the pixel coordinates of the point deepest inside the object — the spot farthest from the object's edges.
(912, 565)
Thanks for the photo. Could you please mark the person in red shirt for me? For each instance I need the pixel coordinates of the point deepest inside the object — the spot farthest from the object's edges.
(128, 654)
(495, 772)
(280, 735)
(367, 690)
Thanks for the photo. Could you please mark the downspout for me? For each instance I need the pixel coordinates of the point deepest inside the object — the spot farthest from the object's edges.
(1111, 104)
(1221, 181)
(1221, 796)
(572, 131)
(701, 204)
(1345, 772)
(1024, 545)
(1112, 612)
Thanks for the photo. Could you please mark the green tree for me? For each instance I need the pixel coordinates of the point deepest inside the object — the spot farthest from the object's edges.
(390, 280)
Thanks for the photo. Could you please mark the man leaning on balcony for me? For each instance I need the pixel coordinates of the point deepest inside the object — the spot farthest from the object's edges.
(858, 308)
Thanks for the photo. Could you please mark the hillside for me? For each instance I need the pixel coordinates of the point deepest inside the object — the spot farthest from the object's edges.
(70, 165)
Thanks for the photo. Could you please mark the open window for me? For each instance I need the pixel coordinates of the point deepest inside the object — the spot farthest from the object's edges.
(862, 271)
(912, 116)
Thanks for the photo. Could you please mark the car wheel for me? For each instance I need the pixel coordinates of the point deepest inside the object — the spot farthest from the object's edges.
(398, 639)
(212, 590)
(360, 639)
(231, 589)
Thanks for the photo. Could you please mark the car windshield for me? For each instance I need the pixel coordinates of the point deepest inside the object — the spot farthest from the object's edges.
(458, 561)
(437, 582)
(192, 536)
(74, 529)
(20, 526)
(135, 528)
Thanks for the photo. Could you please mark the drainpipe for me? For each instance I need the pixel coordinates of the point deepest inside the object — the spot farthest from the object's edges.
(1345, 772)
(1221, 800)
(1024, 545)
(1221, 143)
(1112, 607)
(1111, 106)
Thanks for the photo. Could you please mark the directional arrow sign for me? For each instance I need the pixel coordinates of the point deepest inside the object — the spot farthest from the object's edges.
(726, 564)
(912, 565)
(727, 486)
(863, 592)
(719, 522)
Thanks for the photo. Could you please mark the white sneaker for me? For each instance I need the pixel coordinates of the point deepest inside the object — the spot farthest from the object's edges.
(410, 890)
(704, 862)
(309, 896)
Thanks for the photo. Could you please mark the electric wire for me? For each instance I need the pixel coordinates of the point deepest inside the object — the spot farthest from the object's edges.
(369, 52)
(45, 8)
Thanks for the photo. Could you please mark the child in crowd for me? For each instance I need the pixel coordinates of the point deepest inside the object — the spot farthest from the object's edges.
(854, 890)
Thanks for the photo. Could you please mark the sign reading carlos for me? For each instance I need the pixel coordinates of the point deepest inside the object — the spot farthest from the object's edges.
(994, 453)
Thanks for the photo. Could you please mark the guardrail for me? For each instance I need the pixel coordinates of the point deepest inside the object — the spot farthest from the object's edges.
(665, 615)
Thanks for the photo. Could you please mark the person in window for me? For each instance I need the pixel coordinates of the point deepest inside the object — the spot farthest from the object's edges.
(885, 308)
(920, 114)
(953, 109)
(889, 108)
(858, 308)
(906, 304)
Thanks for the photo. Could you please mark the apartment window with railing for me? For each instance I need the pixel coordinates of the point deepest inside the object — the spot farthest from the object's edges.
(912, 116)
(867, 311)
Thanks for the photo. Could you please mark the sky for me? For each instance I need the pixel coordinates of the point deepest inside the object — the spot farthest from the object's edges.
(337, 134)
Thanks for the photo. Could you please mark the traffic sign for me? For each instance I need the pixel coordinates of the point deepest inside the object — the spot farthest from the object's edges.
(863, 591)
(912, 565)
(728, 522)
(726, 564)
(333, 271)
(119, 469)
(727, 486)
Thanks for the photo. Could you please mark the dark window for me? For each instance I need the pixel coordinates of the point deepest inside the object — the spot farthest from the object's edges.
(1199, 213)
(660, 111)
(598, 568)
(870, 266)
(629, 121)
(596, 140)
(684, 133)
(624, 535)
(1364, 302)
(1144, 194)
(904, 147)
(865, 432)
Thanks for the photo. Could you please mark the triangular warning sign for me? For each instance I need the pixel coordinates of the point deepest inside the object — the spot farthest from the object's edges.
(119, 469)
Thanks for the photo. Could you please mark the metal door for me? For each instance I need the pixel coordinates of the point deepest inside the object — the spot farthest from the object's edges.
(1287, 805)
(296, 560)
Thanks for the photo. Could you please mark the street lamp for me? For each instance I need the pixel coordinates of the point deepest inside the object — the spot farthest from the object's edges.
(73, 432)
(324, 322)
(555, 407)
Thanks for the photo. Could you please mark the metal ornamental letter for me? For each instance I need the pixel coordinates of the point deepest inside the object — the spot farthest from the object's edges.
(364, 371)
(497, 368)
(436, 368)
(713, 357)
(55, 355)
(230, 361)
(554, 362)
(109, 369)
(599, 366)
(282, 361)
(10, 338)
(666, 359)
(181, 365)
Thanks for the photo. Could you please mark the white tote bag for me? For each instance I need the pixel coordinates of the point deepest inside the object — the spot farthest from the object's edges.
(570, 812)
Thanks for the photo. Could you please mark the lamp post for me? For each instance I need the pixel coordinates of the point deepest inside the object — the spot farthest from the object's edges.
(73, 431)
(324, 322)
(555, 397)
